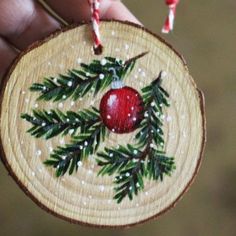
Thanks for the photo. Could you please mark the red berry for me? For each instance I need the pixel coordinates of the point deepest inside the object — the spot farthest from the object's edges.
(121, 109)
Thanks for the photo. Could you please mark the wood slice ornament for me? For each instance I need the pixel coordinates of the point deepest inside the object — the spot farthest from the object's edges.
(107, 140)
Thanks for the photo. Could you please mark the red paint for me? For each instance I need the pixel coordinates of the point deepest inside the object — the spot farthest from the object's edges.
(121, 109)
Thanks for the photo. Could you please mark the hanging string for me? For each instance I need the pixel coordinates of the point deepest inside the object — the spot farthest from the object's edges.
(95, 18)
(169, 23)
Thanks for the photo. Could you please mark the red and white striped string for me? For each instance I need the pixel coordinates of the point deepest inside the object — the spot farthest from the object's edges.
(95, 18)
(169, 23)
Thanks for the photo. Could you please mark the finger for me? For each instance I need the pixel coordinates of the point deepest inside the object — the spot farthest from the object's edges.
(23, 22)
(79, 10)
(7, 55)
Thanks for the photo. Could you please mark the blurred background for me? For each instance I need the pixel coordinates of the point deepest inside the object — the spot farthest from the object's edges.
(205, 33)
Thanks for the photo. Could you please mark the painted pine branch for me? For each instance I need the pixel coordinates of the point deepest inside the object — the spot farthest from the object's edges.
(146, 158)
(69, 158)
(50, 124)
(95, 77)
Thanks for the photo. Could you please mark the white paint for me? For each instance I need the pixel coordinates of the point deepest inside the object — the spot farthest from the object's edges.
(38, 152)
(101, 76)
(69, 83)
(101, 188)
(103, 62)
(79, 163)
(108, 117)
(79, 60)
(60, 105)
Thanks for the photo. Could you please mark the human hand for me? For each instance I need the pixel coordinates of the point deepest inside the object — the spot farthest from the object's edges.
(26, 21)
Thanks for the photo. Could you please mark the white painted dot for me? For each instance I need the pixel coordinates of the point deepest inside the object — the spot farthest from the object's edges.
(162, 144)
(127, 174)
(134, 119)
(108, 117)
(33, 173)
(71, 131)
(68, 120)
(80, 99)
(111, 155)
(113, 130)
(139, 70)
(38, 152)
(82, 182)
(163, 74)
(79, 163)
(81, 147)
(63, 157)
(79, 60)
(152, 145)
(146, 114)
(69, 83)
(137, 185)
(55, 80)
(85, 143)
(72, 103)
(129, 114)
(153, 104)
(36, 105)
(90, 172)
(163, 116)
(113, 33)
(137, 205)
(132, 108)
(43, 124)
(101, 76)
(102, 188)
(62, 141)
(85, 203)
(126, 46)
(60, 105)
(146, 193)
(135, 152)
(50, 149)
(109, 201)
(103, 62)
(87, 74)
(23, 92)
(49, 63)
(130, 188)
(168, 118)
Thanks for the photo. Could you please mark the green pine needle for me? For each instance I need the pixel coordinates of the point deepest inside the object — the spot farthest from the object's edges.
(94, 77)
(70, 157)
(50, 124)
(132, 163)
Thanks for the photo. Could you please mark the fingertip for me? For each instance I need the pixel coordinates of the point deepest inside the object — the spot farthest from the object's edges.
(115, 9)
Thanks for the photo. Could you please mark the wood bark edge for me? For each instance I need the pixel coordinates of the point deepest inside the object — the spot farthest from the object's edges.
(34, 199)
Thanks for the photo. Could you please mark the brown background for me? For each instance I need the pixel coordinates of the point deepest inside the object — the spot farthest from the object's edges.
(205, 34)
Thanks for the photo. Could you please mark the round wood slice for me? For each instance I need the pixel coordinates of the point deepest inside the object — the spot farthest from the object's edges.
(84, 197)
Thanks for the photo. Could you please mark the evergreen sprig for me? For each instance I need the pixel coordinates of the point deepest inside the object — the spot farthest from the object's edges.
(146, 158)
(69, 158)
(51, 123)
(95, 77)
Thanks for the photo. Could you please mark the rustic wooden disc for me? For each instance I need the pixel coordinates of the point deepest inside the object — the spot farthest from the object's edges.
(84, 197)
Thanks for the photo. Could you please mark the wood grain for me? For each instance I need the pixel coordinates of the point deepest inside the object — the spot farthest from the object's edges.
(84, 197)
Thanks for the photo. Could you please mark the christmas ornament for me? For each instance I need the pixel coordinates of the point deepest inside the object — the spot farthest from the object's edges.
(91, 136)
(121, 108)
